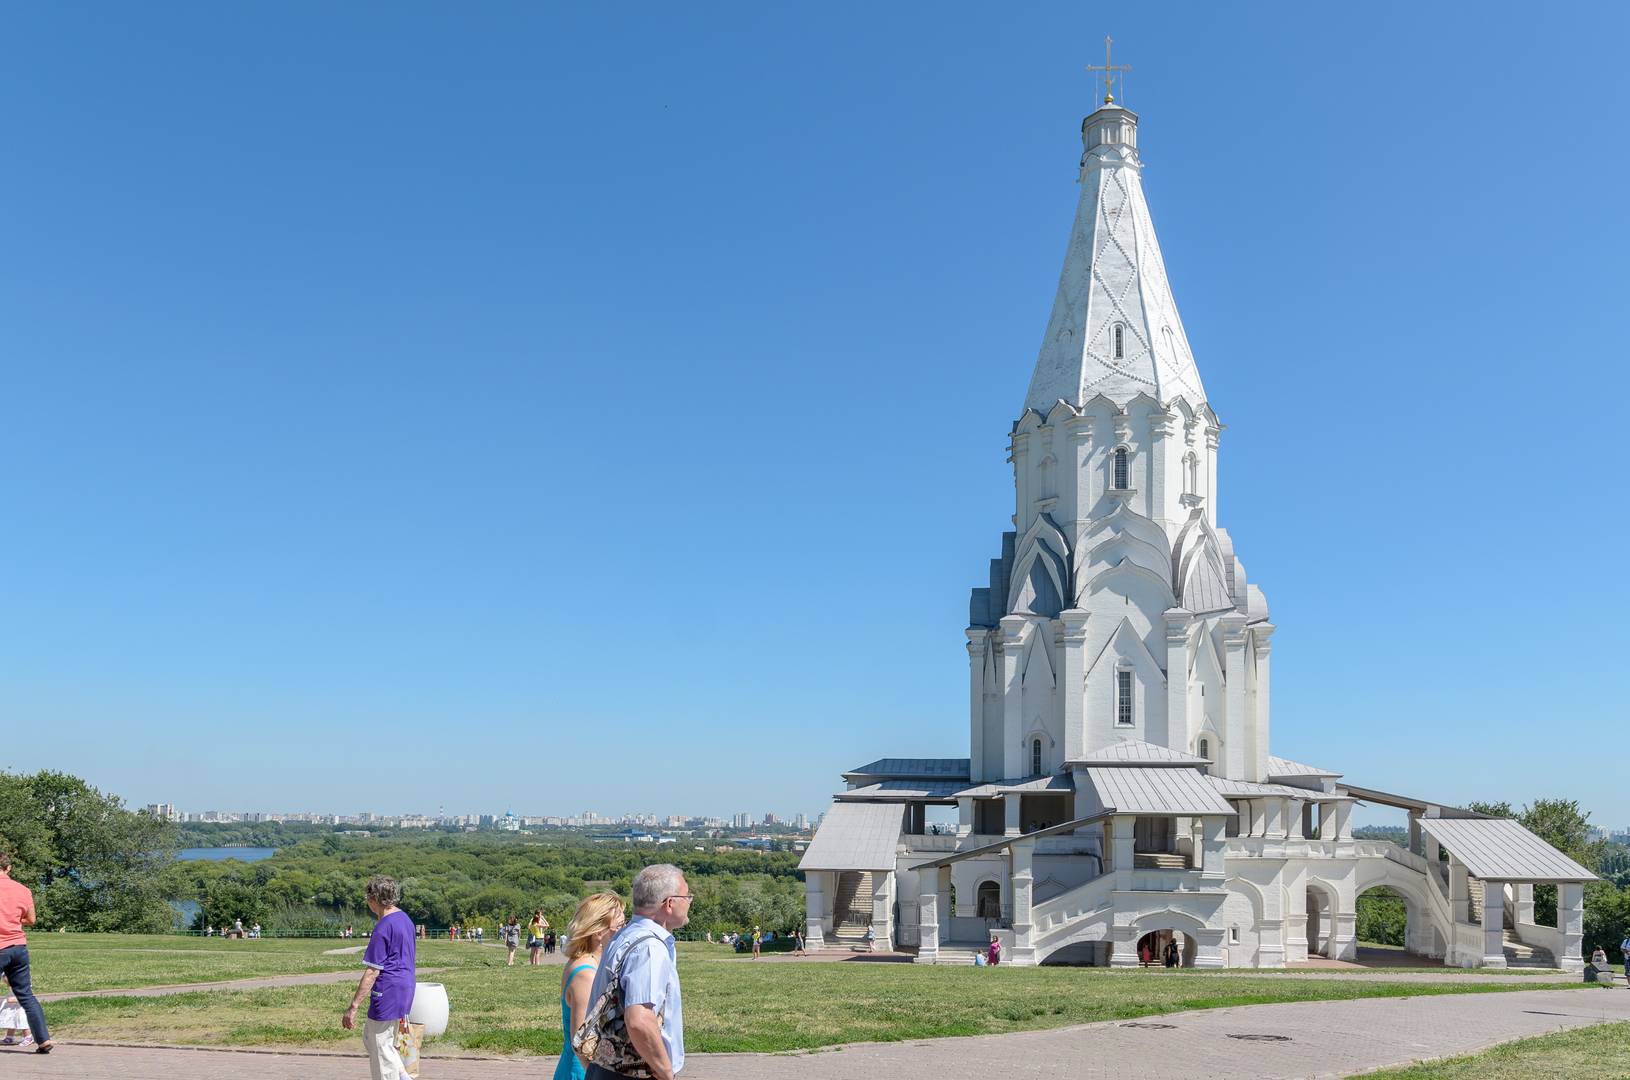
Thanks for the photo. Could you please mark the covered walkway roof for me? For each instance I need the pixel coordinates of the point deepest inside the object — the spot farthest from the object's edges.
(856, 836)
(1157, 791)
(1499, 849)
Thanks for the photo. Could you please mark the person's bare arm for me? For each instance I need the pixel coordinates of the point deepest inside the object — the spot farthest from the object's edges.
(27, 917)
(577, 1000)
(645, 1032)
(365, 985)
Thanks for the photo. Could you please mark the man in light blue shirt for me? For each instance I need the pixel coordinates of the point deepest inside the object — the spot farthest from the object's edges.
(643, 956)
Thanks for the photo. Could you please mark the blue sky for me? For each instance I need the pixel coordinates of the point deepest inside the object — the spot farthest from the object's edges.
(605, 407)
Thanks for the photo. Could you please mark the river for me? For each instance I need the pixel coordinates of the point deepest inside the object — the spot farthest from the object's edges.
(216, 854)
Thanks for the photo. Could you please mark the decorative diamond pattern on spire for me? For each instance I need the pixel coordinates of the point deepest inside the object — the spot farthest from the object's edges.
(1113, 275)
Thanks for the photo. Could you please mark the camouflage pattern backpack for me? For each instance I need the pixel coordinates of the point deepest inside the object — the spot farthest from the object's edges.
(602, 1038)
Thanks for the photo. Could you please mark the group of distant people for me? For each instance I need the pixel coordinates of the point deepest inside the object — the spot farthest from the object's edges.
(236, 930)
(620, 1006)
(757, 939)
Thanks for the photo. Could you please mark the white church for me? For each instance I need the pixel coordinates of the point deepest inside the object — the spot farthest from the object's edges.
(1120, 790)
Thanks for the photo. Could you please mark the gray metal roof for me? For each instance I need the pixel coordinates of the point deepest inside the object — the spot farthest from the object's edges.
(1157, 791)
(1279, 767)
(856, 836)
(899, 768)
(946, 790)
(1138, 752)
(1245, 789)
(1035, 785)
(1499, 849)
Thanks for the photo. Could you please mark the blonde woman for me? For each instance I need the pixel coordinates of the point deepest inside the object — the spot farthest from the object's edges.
(596, 921)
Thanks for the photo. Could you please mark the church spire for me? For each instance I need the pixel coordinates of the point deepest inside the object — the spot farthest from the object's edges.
(1114, 329)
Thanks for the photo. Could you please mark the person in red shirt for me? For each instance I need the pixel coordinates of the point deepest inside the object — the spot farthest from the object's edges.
(16, 912)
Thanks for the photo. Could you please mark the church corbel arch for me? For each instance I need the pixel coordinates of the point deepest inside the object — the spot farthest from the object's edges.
(1041, 577)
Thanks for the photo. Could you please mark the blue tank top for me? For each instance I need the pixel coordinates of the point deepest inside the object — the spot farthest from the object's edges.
(569, 1068)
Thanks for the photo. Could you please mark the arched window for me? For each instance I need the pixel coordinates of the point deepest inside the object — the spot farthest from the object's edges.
(1191, 475)
(1035, 757)
(1123, 697)
(1120, 342)
(1205, 749)
(1122, 468)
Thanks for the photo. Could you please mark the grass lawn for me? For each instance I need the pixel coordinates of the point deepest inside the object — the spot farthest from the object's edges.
(1592, 1053)
(730, 1005)
(63, 962)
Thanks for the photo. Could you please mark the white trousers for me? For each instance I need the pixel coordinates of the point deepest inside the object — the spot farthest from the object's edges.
(379, 1040)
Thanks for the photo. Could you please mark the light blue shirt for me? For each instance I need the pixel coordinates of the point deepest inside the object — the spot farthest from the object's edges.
(649, 976)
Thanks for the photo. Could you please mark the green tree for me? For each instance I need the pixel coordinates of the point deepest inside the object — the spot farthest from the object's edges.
(1560, 823)
(93, 865)
(1382, 917)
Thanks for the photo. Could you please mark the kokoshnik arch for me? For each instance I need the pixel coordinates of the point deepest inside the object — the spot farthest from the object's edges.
(1120, 790)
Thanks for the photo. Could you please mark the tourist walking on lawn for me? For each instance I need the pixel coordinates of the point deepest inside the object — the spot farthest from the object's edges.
(16, 912)
(641, 960)
(596, 922)
(534, 936)
(757, 938)
(510, 932)
(387, 984)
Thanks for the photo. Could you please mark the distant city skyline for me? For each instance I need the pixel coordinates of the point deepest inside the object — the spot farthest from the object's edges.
(170, 811)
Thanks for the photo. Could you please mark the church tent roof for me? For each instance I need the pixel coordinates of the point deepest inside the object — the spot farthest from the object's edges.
(1138, 752)
(1114, 328)
(1499, 849)
(856, 836)
(1156, 791)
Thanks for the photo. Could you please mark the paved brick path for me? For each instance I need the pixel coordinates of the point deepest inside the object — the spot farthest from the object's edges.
(1326, 1039)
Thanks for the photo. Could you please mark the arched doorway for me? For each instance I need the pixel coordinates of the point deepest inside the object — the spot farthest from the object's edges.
(1391, 926)
(1153, 948)
(1321, 922)
(988, 900)
(1384, 920)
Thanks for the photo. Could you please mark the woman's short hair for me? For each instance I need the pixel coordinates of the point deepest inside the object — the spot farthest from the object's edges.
(383, 890)
(595, 914)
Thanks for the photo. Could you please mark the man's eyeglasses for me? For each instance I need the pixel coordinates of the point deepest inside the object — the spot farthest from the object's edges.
(681, 896)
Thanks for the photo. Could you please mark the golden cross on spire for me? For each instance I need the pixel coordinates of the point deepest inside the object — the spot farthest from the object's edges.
(1109, 71)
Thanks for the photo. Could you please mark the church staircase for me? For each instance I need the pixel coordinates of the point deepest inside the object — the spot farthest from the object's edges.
(958, 955)
(1518, 954)
(1148, 860)
(852, 909)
